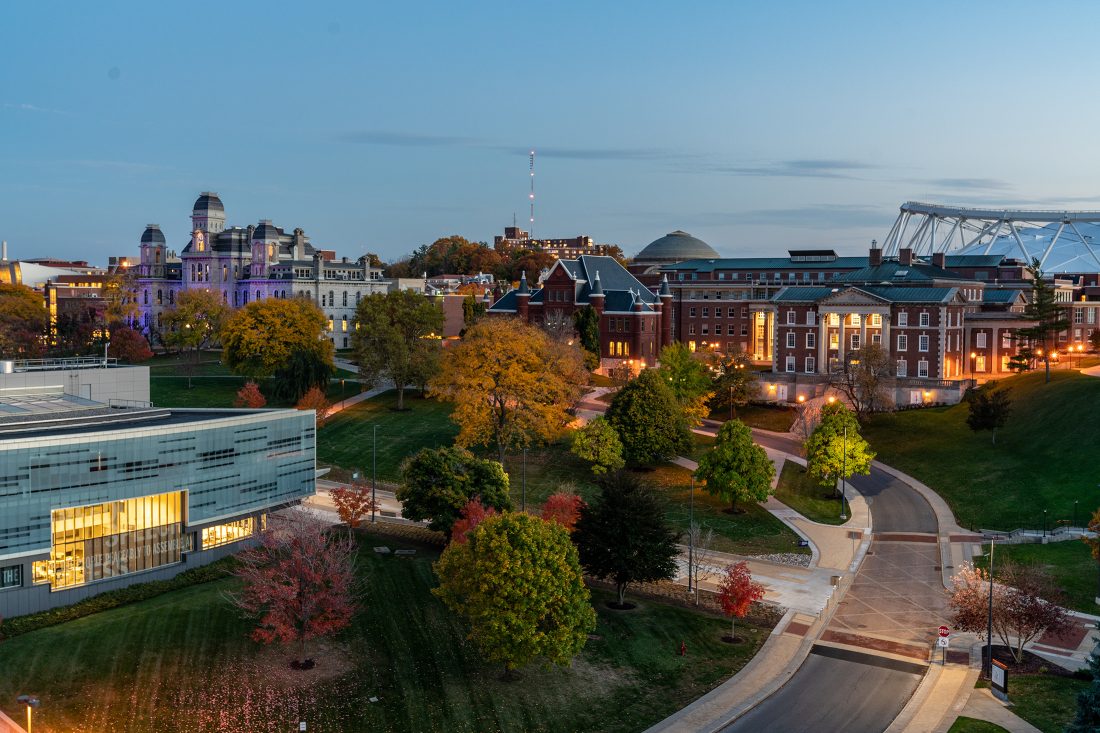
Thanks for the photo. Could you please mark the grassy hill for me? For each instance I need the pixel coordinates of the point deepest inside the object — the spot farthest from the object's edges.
(1044, 459)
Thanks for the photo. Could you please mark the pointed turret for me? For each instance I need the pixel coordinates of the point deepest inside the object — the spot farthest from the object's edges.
(595, 294)
(523, 296)
(665, 317)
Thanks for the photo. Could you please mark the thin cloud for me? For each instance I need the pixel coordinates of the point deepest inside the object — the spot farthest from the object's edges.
(806, 168)
(118, 165)
(616, 154)
(970, 184)
(25, 107)
(815, 216)
(408, 139)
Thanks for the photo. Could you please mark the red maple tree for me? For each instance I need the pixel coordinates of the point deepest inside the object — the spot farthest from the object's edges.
(128, 345)
(563, 508)
(315, 399)
(353, 503)
(250, 396)
(471, 515)
(297, 582)
(737, 592)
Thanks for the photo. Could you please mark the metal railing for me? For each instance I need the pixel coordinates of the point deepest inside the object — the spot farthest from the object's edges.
(76, 362)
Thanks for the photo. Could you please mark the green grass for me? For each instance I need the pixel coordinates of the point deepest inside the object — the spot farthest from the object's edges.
(765, 417)
(184, 662)
(1069, 563)
(754, 531)
(1041, 460)
(1048, 702)
(963, 724)
(801, 492)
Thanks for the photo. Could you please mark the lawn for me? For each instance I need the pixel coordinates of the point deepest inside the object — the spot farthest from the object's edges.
(801, 492)
(183, 662)
(1070, 564)
(776, 418)
(1044, 458)
(963, 724)
(1048, 702)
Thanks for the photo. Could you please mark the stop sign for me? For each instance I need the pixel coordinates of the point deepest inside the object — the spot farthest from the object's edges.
(944, 631)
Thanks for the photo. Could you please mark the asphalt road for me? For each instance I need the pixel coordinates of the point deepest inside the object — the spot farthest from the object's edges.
(847, 691)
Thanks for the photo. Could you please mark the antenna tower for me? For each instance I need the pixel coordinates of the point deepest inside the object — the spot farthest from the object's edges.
(531, 234)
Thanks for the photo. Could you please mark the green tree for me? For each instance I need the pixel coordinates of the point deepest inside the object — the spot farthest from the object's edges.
(623, 535)
(736, 469)
(648, 420)
(836, 450)
(472, 310)
(735, 381)
(438, 482)
(195, 321)
(989, 409)
(261, 336)
(689, 379)
(517, 581)
(1087, 719)
(1094, 340)
(23, 322)
(392, 333)
(598, 444)
(1047, 315)
(510, 383)
(303, 371)
(586, 321)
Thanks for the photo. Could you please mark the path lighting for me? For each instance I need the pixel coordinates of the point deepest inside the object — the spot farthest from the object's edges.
(989, 627)
(31, 702)
(1044, 524)
(832, 399)
(801, 398)
(973, 357)
(843, 471)
(691, 532)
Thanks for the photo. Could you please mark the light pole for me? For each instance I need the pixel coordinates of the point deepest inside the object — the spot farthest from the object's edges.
(374, 476)
(989, 626)
(1074, 512)
(31, 702)
(1044, 525)
(973, 356)
(731, 402)
(523, 480)
(843, 473)
(691, 532)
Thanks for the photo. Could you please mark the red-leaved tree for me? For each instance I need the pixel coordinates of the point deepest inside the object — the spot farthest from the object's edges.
(737, 592)
(471, 515)
(128, 345)
(315, 399)
(563, 508)
(250, 396)
(297, 582)
(352, 504)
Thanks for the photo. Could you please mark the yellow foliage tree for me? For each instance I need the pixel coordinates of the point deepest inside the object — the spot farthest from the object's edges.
(260, 337)
(511, 384)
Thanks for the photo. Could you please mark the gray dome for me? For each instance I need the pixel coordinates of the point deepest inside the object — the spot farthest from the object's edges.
(208, 201)
(676, 246)
(152, 234)
(265, 232)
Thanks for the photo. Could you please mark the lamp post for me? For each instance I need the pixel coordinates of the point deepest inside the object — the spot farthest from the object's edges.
(731, 402)
(31, 702)
(1044, 525)
(989, 626)
(843, 473)
(523, 480)
(691, 533)
(374, 476)
(1074, 512)
(973, 357)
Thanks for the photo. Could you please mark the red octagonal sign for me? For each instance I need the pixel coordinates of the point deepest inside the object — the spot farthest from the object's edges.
(944, 631)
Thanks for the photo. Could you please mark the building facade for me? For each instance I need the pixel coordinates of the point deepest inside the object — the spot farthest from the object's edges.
(568, 248)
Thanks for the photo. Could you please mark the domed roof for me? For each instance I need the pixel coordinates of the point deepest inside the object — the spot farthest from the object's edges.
(208, 201)
(152, 234)
(676, 246)
(265, 231)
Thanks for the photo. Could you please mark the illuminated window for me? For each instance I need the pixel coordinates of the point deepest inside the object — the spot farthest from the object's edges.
(223, 534)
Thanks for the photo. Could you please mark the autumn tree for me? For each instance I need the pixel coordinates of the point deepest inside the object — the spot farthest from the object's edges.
(315, 400)
(1087, 719)
(689, 380)
(623, 535)
(75, 331)
(511, 385)
(353, 503)
(304, 370)
(261, 336)
(472, 310)
(648, 420)
(988, 409)
(194, 323)
(598, 444)
(564, 508)
(23, 322)
(297, 582)
(1094, 340)
(128, 345)
(737, 592)
(119, 294)
(1047, 316)
(518, 583)
(865, 377)
(736, 469)
(471, 515)
(250, 396)
(735, 381)
(836, 450)
(438, 482)
(392, 333)
(1025, 604)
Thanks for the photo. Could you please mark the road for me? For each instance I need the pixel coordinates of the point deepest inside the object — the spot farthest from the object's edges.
(843, 689)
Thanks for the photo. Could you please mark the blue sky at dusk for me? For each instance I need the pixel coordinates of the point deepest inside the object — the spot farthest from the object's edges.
(382, 126)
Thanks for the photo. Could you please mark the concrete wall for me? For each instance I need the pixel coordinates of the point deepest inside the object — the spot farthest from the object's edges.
(7, 725)
(101, 385)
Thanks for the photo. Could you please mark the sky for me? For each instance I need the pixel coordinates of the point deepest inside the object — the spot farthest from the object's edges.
(381, 126)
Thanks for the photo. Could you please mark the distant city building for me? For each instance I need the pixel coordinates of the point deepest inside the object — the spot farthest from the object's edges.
(562, 249)
(250, 263)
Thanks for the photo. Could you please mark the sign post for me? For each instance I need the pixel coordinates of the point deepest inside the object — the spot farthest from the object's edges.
(942, 642)
(999, 678)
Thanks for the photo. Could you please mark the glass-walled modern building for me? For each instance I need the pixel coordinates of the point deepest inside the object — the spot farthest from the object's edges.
(95, 497)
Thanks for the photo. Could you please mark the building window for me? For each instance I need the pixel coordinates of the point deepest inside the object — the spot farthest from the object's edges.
(11, 576)
(855, 341)
(979, 363)
(876, 338)
(834, 340)
(344, 324)
(1078, 315)
(706, 329)
(922, 342)
(691, 329)
(790, 339)
(924, 319)
(790, 363)
(706, 312)
(834, 319)
(811, 365)
(811, 318)
(691, 312)
(744, 329)
(224, 534)
(856, 319)
(979, 339)
(903, 319)
(903, 342)
(790, 318)
(903, 368)
(876, 319)
(811, 341)
(922, 368)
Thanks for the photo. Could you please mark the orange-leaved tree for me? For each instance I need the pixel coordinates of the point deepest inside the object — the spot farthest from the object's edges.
(315, 400)
(737, 592)
(250, 396)
(563, 508)
(470, 516)
(353, 503)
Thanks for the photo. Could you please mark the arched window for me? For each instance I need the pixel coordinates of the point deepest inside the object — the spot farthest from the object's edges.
(257, 295)
(345, 299)
(160, 297)
(171, 297)
(331, 298)
(147, 297)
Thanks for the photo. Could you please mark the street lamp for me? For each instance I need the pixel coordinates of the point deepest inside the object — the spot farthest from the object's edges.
(973, 357)
(31, 702)
(524, 479)
(374, 476)
(1044, 525)
(691, 531)
(843, 472)
(989, 626)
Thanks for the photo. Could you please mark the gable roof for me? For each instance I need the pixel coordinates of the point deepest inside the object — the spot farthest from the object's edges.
(892, 271)
(801, 294)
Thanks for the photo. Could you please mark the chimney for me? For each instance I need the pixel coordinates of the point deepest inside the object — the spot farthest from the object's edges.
(875, 259)
(4, 252)
(939, 259)
(905, 256)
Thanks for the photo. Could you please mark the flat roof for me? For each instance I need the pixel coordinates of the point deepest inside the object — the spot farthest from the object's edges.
(110, 419)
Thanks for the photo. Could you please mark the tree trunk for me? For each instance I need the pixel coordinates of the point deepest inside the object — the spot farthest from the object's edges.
(400, 397)
(994, 436)
(733, 628)
(622, 594)
(1047, 362)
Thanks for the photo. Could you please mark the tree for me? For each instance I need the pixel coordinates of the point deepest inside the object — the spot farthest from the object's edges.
(564, 508)
(989, 409)
(648, 420)
(1024, 604)
(472, 310)
(128, 345)
(1048, 316)
(734, 382)
(261, 336)
(353, 503)
(315, 400)
(518, 583)
(623, 535)
(701, 550)
(306, 369)
(23, 322)
(392, 332)
(1087, 719)
(119, 294)
(250, 396)
(586, 322)
(426, 365)
(864, 376)
(473, 514)
(1094, 340)
(510, 384)
(689, 380)
(438, 482)
(735, 469)
(297, 582)
(598, 444)
(737, 592)
(195, 321)
(836, 450)
(1094, 541)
